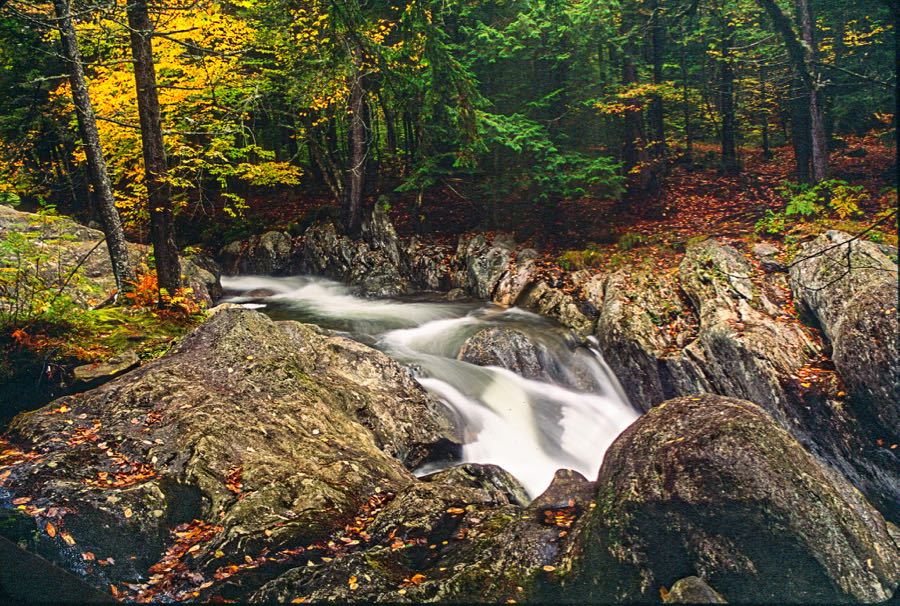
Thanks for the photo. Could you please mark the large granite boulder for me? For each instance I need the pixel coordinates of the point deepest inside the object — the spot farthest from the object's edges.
(269, 436)
(712, 487)
(270, 253)
(849, 287)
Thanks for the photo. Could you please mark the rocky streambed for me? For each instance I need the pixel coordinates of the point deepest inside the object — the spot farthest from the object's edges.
(271, 460)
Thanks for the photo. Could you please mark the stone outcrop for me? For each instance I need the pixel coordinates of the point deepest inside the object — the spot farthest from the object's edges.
(850, 288)
(72, 243)
(231, 428)
(713, 487)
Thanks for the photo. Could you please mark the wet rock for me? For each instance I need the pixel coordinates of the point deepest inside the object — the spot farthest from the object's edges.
(500, 485)
(274, 432)
(426, 266)
(850, 288)
(507, 348)
(90, 375)
(514, 281)
(636, 310)
(692, 590)
(744, 351)
(713, 487)
(438, 542)
(485, 262)
(562, 307)
(270, 253)
(456, 294)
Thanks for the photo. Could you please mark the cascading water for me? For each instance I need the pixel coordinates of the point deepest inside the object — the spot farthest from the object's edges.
(528, 427)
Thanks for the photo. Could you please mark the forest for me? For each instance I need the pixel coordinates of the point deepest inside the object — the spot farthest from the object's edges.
(460, 301)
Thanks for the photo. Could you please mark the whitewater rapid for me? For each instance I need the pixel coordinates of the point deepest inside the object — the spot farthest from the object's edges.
(528, 427)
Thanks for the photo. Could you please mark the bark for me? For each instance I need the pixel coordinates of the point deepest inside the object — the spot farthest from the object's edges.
(351, 211)
(686, 103)
(162, 228)
(656, 113)
(97, 171)
(800, 137)
(726, 104)
(802, 54)
(817, 131)
(763, 80)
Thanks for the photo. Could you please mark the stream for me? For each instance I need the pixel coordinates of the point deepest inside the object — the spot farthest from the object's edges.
(528, 427)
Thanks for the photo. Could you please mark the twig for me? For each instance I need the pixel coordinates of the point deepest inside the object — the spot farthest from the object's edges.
(75, 269)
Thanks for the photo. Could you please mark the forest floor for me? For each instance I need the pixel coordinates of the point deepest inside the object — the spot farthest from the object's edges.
(696, 201)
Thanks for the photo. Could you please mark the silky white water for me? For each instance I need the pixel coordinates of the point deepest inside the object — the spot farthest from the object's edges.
(528, 427)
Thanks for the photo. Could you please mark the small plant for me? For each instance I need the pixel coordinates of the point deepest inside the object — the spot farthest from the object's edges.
(805, 202)
(771, 224)
(573, 260)
(146, 295)
(630, 240)
(876, 236)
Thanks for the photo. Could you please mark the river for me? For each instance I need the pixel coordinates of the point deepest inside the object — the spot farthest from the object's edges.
(529, 427)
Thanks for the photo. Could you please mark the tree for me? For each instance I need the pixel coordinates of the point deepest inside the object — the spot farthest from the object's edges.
(87, 125)
(162, 229)
(809, 130)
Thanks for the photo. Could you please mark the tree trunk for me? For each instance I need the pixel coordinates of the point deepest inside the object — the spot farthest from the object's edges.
(685, 102)
(97, 172)
(800, 137)
(802, 54)
(764, 111)
(817, 131)
(656, 113)
(726, 104)
(162, 228)
(351, 212)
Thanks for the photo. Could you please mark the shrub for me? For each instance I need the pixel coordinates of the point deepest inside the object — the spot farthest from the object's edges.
(630, 240)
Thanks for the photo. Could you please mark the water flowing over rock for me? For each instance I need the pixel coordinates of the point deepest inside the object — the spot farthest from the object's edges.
(507, 348)
(712, 486)
(850, 287)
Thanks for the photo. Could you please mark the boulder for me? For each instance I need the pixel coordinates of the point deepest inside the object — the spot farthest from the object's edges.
(744, 350)
(69, 243)
(711, 486)
(72, 244)
(767, 254)
(440, 542)
(270, 253)
(692, 590)
(485, 262)
(203, 276)
(637, 310)
(260, 437)
(849, 287)
(559, 305)
(502, 487)
(514, 281)
(367, 264)
(507, 348)
(715, 328)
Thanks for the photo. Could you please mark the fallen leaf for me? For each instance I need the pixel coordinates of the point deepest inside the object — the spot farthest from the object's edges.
(51, 529)
(67, 538)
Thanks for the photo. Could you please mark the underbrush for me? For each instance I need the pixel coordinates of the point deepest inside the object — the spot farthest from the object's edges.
(45, 331)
